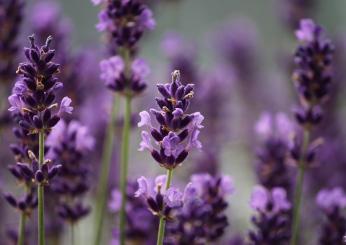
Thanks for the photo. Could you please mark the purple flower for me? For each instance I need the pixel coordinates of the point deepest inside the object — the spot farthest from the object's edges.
(69, 143)
(261, 198)
(332, 202)
(160, 201)
(202, 218)
(328, 200)
(125, 22)
(175, 132)
(34, 99)
(307, 31)
(65, 106)
(111, 69)
(271, 222)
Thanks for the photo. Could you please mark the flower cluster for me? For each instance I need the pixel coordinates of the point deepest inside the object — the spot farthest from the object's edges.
(202, 219)
(113, 73)
(272, 221)
(178, 131)
(68, 144)
(33, 98)
(141, 225)
(161, 201)
(332, 202)
(313, 73)
(11, 15)
(125, 21)
(273, 132)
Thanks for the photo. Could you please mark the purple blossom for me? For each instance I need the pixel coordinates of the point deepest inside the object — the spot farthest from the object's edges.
(65, 106)
(308, 31)
(328, 200)
(115, 202)
(202, 218)
(175, 133)
(111, 69)
(272, 219)
(159, 199)
(261, 198)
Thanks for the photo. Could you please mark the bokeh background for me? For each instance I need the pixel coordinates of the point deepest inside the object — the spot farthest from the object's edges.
(200, 22)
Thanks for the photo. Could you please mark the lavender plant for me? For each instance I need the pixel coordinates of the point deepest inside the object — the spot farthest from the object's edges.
(312, 78)
(175, 133)
(272, 163)
(332, 202)
(272, 220)
(69, 143)
(202, 219)
(38, 112)
(124, 22)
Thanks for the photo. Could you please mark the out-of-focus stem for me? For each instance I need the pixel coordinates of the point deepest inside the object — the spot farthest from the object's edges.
(299, 187)
(105, 169)
(72, 234)
(124, 168)
(162, 224)
(21, 229)
(40, 194)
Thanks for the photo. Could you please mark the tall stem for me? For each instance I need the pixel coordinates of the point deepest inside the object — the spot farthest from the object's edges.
(105, 169)
(299, 187)
(162, 224)
(72, 234)
(40, 194)
(21, 229)
(124, 167)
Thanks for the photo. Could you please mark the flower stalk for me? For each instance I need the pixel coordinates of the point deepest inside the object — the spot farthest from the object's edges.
(124, 167)
(299, 187)
(40, 193)
(162, 224)
(105, 169)
(21, 229)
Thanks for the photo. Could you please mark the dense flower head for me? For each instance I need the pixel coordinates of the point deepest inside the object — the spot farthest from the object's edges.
(332, 202)
(313, 72)
(114, 75)
(33, 99)
(141, 225)
(11, 15)
(161, 201)
(272, 219)
(68, 144)
(177, 131)
(124, 21)
(273, 132)
(202, 219)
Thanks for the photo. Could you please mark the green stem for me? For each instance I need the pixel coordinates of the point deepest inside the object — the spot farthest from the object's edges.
(72, 234)
(124, 167)
(162, 224)
(21, 229)
(105, 169)
(299, 188)
(40, 194)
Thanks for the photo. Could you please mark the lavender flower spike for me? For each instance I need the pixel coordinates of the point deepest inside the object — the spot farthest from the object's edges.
(272, 221)
(175, 131)
(160, 201)
(332, 202)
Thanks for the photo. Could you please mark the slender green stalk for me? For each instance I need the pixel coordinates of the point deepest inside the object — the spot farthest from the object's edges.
(72, 234)
(21, 229)
(40, 194)
(124, 167)
(299, 188)
(162, 224)
(105, 169)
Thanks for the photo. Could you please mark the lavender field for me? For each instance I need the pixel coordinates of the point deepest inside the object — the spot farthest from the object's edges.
(175, 122)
